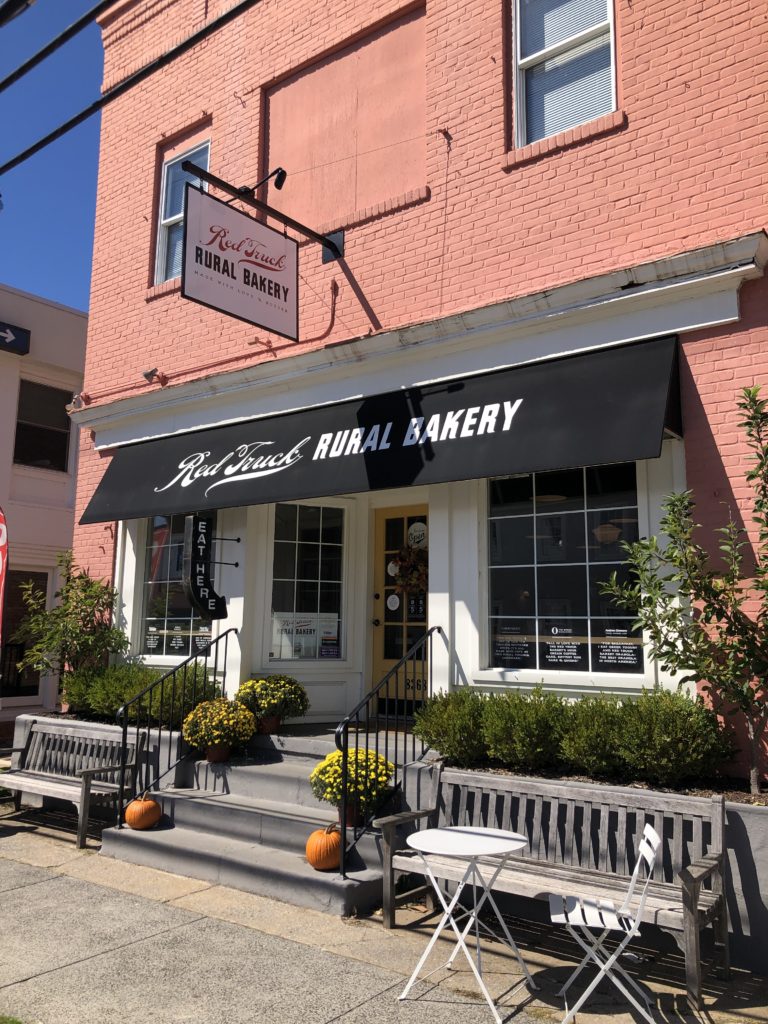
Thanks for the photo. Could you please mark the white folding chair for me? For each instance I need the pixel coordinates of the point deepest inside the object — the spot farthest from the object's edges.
(583, 917)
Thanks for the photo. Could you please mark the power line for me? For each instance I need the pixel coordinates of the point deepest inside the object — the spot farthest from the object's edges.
(130, 82)
(11, 8)
(65, 36)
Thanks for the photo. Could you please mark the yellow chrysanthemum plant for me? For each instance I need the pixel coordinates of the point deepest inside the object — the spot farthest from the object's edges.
(368, 775)
(218, 722)
(274, 696)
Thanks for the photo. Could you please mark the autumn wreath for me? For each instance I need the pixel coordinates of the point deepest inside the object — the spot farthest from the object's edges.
(411, 575)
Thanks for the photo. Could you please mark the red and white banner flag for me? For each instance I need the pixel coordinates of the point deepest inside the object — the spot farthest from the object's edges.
(3, 567)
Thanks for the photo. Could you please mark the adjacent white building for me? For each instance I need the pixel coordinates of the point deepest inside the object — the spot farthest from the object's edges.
(42, 354)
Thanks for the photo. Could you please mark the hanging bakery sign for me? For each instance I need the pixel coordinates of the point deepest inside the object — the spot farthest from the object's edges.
(237, 265)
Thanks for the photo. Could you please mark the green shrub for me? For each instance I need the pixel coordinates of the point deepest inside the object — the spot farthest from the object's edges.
(170, 702)
(75, 691)
(667, 737)
(100, 693)
(523, 731)
(590, 742)
(452, 724)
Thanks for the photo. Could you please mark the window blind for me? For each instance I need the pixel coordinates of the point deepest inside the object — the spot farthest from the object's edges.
(570, 89)
(545, 23)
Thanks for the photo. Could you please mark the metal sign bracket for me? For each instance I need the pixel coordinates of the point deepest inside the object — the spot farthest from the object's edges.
(333, 245)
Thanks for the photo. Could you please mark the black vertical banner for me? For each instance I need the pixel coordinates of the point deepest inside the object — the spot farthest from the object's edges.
(196, 567)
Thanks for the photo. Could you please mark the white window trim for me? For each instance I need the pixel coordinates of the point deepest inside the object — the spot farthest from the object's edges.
(319, 667)
(163, 225)
(564, 682)
(130, 559)
(73, 442)
(523, 64)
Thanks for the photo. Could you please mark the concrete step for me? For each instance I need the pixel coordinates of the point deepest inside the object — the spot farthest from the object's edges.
(320, 743)
(286, 780)
(252, 867)
(268, 822)
(316, 745)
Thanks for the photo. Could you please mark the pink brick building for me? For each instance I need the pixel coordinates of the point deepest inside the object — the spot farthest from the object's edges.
(551, 293)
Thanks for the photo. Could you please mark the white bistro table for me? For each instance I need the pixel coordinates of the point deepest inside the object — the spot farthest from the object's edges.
(469, 843)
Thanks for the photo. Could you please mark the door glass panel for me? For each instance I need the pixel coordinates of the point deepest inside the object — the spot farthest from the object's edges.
(400, 604)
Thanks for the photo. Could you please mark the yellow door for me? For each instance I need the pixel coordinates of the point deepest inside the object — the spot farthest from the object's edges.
(401, 541)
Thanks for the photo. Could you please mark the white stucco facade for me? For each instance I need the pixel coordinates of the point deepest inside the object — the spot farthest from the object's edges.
(38, 502)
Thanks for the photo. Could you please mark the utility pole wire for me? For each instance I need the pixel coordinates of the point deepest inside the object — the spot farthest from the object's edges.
(130, 82)
(49, 48)
(10, 9)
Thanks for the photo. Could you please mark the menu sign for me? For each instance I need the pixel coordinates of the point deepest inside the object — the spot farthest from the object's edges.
(513, 644)
(296, 636)
(564, 644)
(616, 647)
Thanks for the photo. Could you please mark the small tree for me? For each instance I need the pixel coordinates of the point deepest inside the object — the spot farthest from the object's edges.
(694, 612)
(77, 633)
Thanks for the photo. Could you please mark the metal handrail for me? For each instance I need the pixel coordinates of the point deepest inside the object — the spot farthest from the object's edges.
(392, 714)
(183, 698)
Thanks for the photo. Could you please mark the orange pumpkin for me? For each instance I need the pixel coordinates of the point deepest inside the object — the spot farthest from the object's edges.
(143, 812)
(324, 848)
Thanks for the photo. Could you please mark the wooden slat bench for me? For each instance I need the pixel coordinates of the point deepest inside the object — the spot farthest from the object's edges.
(582, 841)
(69, 763)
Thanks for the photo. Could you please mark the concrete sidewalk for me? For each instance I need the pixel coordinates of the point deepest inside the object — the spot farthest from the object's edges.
(89, 940)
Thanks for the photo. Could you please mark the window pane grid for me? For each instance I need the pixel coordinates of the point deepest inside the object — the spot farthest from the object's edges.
(562, 627)
(306, 587)
(171, 626)
(42, 427)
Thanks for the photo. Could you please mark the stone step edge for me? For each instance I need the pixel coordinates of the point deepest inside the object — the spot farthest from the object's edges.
(276, 808)
(204, 847)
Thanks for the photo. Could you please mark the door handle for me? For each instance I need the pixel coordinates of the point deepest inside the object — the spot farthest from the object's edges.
(375, 622)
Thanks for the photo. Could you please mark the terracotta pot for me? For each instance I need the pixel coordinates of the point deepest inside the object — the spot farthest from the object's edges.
(354, 815)
(268, 726)
(218, 752)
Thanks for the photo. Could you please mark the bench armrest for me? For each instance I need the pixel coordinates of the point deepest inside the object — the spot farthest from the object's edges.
(401, 818)
(104, 768)
(694, 874)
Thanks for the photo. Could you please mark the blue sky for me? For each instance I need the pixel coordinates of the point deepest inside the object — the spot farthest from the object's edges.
(46, 224)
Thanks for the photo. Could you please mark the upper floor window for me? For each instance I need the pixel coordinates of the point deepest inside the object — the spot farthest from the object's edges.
(42, 427)
(565, 65)
(171, 219)
(553, 539)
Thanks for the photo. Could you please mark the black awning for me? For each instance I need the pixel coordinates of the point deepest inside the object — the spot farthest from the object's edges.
(600, 407)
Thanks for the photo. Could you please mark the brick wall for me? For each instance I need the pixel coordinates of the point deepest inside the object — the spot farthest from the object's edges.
(680, 166)
(685, 167)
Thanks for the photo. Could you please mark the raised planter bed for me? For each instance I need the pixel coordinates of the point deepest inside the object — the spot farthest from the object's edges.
(746, 852)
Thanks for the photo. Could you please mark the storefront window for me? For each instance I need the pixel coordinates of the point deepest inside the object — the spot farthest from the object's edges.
(306, 583)
(170, 625)
(12, 682)
(553, 538)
